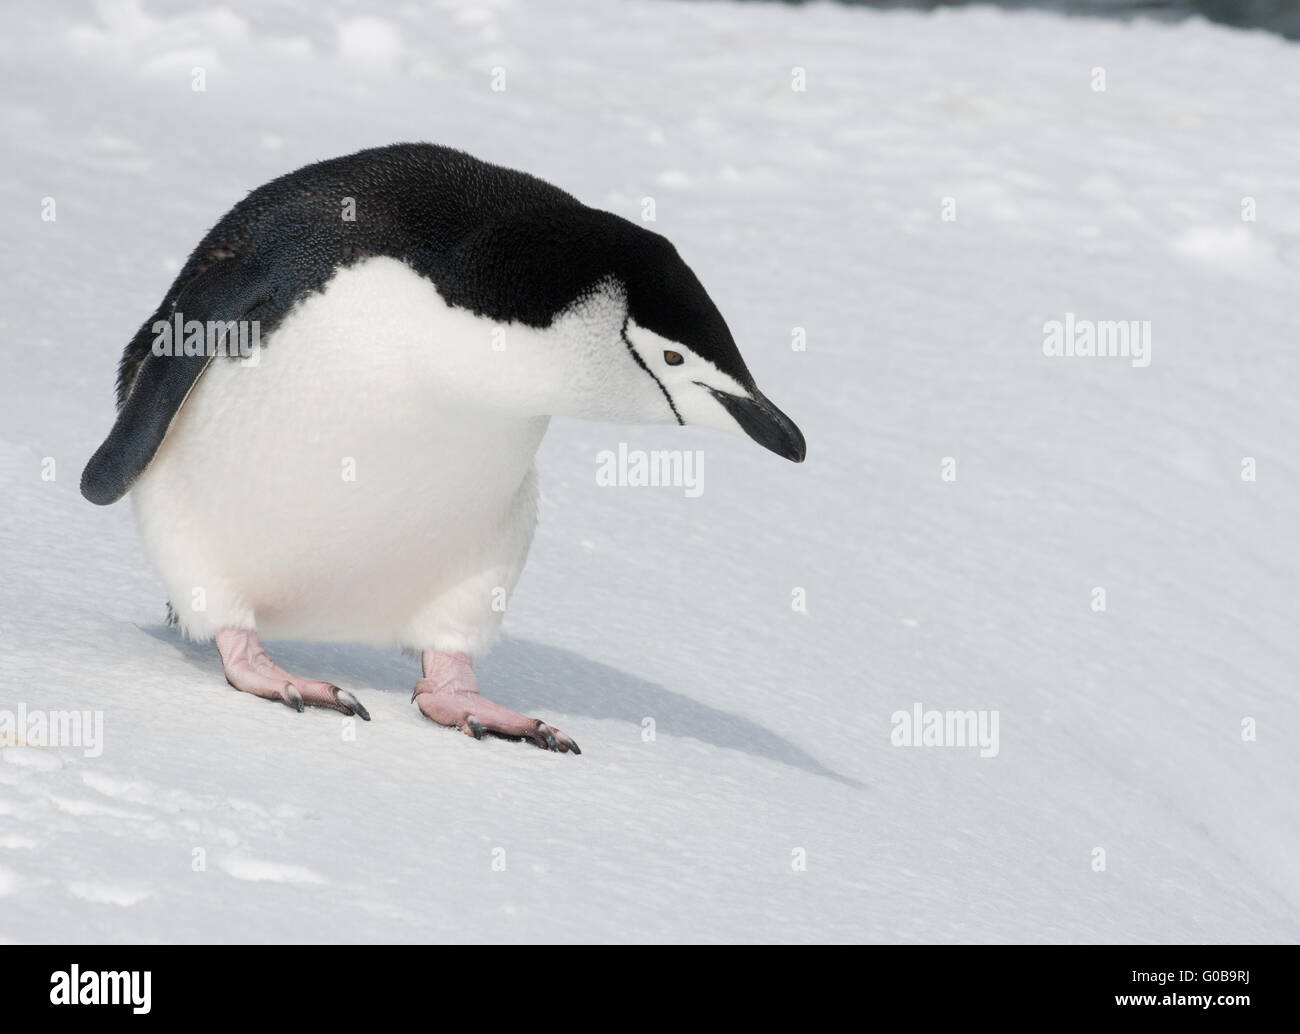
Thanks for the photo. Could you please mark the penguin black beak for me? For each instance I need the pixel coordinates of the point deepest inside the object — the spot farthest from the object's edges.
(763, 422)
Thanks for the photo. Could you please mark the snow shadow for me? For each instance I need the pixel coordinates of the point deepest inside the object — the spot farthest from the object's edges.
(534, 679)
(530, 677)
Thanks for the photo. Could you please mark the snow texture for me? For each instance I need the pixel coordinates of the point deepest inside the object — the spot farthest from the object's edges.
(1127, 730)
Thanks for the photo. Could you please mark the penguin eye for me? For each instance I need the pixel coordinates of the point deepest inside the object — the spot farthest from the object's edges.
(673, 358)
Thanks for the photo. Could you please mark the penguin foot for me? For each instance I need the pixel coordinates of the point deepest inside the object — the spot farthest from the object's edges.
(250, 670)
(448, 694)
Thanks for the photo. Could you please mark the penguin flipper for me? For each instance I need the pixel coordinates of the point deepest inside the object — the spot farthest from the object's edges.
(232, 289)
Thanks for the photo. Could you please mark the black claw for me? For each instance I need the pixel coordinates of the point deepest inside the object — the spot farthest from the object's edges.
(293, 698)
(475, 728)
(351, 703)
(549, 737)
(574, 747)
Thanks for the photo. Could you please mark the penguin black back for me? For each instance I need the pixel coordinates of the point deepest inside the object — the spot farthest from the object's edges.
(413, 202)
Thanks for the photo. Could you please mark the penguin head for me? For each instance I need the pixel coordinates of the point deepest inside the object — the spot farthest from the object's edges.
(629, 326)
(677, 336)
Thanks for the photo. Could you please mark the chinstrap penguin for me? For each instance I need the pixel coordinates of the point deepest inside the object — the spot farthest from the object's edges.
(366, 474)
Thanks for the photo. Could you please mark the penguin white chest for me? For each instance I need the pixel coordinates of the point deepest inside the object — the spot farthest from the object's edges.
(349, 483)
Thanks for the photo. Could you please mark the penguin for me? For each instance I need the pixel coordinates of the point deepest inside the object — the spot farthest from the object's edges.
(328, 426)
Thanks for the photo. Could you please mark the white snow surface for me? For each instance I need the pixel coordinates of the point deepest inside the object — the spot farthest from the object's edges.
(822, 209)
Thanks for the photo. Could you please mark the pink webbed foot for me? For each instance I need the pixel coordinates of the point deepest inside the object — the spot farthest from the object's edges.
(448, 694)
(250, 670)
